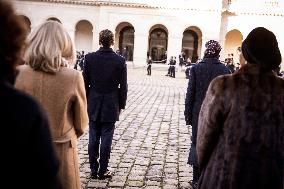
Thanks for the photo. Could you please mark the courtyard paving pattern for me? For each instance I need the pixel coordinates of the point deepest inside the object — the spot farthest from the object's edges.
(151, 141)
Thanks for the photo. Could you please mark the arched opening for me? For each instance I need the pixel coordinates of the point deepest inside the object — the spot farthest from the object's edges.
(26, 22)
(84, 36)
(191, 43)
(158, 43)
(124, 35)
(233, 41)
(54, 19)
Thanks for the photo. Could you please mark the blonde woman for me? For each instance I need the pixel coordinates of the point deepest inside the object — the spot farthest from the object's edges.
(61, 92)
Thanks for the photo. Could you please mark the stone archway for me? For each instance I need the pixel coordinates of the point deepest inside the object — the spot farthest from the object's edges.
(191, 43)
(124, 36)
(158, 43)
(84, 36)
(233, 40)
(26, 22)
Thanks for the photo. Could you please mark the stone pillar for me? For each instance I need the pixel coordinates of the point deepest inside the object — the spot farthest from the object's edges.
(174, 46)
(71, 31)
(222, 36)
(140, 48)
(96, 44)
(204, 40)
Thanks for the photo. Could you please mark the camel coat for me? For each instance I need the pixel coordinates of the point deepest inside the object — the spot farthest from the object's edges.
(63, 97)
(240, 140)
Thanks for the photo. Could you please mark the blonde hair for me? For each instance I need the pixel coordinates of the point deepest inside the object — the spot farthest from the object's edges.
(49, 47)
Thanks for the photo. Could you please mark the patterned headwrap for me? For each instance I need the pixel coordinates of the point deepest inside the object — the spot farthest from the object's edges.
(213, 48)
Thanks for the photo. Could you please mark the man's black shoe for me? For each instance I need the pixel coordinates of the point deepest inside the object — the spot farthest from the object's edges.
(106, 175)
(193, 184)
(94, 175)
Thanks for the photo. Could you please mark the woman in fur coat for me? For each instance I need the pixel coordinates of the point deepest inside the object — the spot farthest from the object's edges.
(240, 140)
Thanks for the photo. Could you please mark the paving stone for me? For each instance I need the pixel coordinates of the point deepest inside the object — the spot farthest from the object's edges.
(171, 181)
(135, 183)
(97, 184)
(116, 184)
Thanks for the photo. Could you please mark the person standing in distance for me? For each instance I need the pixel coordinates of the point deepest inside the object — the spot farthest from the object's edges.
(149, 65)
(105, 75)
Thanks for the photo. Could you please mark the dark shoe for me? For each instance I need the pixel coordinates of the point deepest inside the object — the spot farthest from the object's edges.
(193, 184)
(106, 175)
(94, 175)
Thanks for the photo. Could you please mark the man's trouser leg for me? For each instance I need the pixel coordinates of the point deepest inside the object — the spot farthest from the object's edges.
(94, 144)
(106, 140)
(196, 174)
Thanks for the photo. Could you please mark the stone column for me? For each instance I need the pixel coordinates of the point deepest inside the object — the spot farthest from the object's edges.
(204, 40)
(222, 36)
(140, 48)
(174, 46)
(96, 44)
(71, 31)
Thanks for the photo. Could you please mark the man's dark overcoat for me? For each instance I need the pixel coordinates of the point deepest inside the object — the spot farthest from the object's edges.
(105, 76)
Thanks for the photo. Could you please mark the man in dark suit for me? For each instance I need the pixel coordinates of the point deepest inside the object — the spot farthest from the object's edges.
(105, 76)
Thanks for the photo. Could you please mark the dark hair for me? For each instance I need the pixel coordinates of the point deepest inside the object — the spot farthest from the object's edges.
(213, 49)
(106, 38)
(261, 47)
(12, 38)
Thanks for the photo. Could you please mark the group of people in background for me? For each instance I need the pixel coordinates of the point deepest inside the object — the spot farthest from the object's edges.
(80, 60)
(236, 119)
(172, 67)
(124, 53)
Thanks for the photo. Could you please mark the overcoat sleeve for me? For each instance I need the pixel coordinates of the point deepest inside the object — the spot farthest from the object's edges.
(80, 107)
(210, 122)
(190, 97)
(123, 87)
(86, 74)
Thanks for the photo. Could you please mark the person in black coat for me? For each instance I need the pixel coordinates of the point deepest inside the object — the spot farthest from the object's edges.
(173, 68)
(171, 62)
(199, 79)
(149, 65)
(28, 157)
(105, 76)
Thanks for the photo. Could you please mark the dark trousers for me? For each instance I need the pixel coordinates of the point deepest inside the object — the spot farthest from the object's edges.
(100, 139)
(149, 70)
(169, 70)
(173, 71)
(196, 174)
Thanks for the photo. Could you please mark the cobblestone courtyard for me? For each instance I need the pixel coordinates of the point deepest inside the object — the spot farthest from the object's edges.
(151, 141)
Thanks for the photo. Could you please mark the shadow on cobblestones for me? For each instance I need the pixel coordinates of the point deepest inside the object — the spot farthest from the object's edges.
(151, 141)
